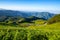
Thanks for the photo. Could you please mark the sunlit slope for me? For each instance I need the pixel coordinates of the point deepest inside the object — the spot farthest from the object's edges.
(55, 26)
(43, 32)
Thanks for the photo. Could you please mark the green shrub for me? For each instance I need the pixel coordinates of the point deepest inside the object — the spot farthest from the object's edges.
(26, 34)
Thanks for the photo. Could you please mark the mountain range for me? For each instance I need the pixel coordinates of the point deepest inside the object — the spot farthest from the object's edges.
(44, 15)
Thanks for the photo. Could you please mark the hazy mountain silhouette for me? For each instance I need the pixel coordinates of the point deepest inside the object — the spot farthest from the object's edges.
(45, 15)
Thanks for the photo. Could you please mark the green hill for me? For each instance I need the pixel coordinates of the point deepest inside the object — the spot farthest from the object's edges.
(54, 19)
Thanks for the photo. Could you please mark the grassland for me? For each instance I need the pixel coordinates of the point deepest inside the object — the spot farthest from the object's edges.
(33, 32)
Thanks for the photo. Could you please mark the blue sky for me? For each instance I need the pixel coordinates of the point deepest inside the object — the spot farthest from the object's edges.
(31, 5)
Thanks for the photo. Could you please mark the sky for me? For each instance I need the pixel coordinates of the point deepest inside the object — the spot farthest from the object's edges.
(31, 5)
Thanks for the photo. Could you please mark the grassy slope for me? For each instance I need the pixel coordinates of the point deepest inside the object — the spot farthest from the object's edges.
(44, 32)
(36, 26)
(52, 31)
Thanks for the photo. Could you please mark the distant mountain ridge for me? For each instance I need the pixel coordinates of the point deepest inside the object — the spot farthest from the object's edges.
(45, 15)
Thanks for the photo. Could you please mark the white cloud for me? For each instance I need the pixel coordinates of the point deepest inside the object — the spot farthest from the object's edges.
(31, 8)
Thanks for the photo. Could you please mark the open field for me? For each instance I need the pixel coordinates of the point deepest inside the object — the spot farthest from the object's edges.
(43, 32)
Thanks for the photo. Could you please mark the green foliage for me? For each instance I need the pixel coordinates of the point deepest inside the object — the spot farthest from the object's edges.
(25, 24)
(43, 32)
(54, 19)
(40, 22)
(28, 34)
